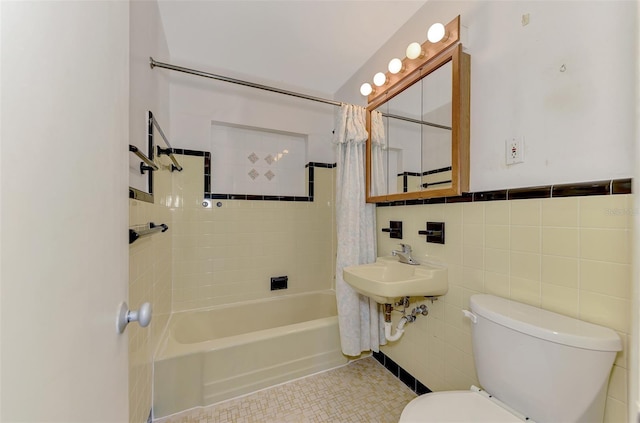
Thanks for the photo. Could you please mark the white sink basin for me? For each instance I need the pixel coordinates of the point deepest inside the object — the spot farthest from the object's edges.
(386, 280)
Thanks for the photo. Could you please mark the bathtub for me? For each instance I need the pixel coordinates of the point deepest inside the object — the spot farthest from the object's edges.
(211, 355)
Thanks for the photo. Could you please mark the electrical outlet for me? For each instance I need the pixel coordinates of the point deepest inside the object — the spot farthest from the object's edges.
(514, 150)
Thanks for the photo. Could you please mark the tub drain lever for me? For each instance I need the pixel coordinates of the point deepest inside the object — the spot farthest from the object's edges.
(142, 316)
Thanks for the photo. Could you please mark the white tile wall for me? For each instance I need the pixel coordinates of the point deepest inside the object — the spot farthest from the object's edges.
(149, 281)
(568, 255)
(229, 253)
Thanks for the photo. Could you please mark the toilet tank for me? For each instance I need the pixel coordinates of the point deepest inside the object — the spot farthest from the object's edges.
(549, 367)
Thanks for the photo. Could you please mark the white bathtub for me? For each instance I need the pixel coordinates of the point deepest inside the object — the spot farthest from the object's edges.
(212, 355)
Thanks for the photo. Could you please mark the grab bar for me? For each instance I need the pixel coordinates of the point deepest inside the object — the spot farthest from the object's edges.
(167, 151)
(150, 165)
(148, 229)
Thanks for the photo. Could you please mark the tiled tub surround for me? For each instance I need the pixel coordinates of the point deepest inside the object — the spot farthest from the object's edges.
(213, 355)
(570, 255)
(149, 281)
(229, 253)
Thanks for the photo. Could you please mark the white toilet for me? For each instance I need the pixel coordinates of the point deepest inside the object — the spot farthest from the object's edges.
(533, 365)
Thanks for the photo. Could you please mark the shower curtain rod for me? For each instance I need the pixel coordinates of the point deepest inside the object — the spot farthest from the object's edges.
(421, 122)
(153, 64)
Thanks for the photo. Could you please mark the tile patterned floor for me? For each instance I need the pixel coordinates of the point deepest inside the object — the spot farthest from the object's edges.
(361, 392)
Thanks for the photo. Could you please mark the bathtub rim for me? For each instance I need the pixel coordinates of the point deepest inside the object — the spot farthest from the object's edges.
(202, 407)
(169, 348)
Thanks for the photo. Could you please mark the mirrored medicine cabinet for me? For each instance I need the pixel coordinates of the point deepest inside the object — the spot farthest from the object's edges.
(418, 126)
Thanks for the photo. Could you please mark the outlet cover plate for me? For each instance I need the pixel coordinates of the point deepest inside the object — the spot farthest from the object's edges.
(514, 150)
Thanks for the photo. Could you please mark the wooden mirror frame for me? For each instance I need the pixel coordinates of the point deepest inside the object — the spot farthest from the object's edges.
(449, 51)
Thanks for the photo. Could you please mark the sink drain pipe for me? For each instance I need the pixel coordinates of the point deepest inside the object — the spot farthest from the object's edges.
(399, 329)
(388, 308)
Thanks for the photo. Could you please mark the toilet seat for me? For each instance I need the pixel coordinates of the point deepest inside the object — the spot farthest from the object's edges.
(471, 406)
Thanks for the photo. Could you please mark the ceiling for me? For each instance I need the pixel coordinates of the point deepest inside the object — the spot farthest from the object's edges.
(313, 46)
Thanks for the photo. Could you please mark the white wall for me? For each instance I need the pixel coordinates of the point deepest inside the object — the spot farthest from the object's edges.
(196, 102)
(634, 371)
(149, 89)
(249, 161)
(578, 125)
(150, 258)
(65, 96)
(1, 220)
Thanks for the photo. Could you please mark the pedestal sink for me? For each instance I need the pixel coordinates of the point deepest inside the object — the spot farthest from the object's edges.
(386, 280)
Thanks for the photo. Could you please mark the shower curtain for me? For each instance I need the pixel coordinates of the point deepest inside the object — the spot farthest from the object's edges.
(359, 318)
(378, 147)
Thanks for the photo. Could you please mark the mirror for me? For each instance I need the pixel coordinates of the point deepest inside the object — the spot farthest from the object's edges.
(419, 132)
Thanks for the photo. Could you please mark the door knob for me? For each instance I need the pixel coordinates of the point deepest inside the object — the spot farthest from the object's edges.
(142, 316)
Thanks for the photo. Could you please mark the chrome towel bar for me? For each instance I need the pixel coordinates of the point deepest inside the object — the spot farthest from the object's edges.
(147, 164)
(144, 230)
(168, 151)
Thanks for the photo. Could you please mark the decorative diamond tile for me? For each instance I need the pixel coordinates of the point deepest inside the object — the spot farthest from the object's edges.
(270, 175)
(269, 159)
(253, 174)
(253, 157)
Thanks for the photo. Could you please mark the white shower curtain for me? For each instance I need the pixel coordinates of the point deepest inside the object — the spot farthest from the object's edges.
(378, 147)
(359, 317)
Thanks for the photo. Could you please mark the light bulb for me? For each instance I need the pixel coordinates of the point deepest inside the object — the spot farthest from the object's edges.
(379, 79)
(414, 50)
(436, 33)
(395, 66)
(366, 89)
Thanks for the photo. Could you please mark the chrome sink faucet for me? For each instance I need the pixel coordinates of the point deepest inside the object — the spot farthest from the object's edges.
(404, 256)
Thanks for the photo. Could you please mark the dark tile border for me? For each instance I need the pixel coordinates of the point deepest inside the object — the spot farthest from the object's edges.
(427, 172)
(442, 169)
(217, 196)
(405, 177)
(208, 195)
(529, 193)
(464, 198)
(610, 187)
(575, 190)
(322, 165)
(621, 186)
(412, 383)
(490, 195)
(134, 193)
(186, 152)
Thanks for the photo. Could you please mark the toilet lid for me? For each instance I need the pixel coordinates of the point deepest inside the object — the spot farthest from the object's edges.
(455, 406)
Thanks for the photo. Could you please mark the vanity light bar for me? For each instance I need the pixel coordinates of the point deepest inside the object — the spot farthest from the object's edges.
(395, 66)
(439, 38)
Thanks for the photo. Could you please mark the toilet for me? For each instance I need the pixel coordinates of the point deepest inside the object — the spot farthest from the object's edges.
(533, 365)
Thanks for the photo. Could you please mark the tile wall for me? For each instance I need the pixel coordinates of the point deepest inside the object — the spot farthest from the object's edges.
(569, 255)
(228, 253)
(149, 281)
